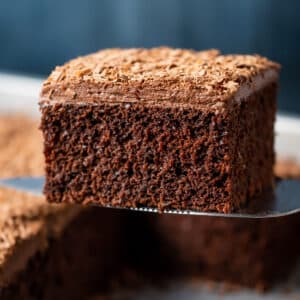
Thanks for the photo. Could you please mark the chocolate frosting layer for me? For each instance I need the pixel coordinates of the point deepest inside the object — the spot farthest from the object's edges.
(157, 74)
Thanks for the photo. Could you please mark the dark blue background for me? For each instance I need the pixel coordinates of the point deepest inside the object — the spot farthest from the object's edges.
(36, 35)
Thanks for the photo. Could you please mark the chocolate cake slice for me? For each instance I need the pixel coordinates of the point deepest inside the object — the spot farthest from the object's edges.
(49, 251)
(161, 128)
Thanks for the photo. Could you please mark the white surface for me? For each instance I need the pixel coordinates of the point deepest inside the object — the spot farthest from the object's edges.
(288, 137)
(20, 93)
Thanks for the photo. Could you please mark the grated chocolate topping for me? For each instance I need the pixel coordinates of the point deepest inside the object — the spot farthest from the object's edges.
(157, 74)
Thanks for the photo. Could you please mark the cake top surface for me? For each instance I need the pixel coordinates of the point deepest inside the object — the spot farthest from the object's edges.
(23, 217)
(155, 74)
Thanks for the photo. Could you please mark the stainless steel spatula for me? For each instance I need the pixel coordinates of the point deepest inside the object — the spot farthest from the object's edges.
(285, 200)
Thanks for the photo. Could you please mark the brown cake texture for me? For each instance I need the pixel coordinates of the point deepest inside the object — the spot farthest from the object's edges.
(48, 251)
(161, 128)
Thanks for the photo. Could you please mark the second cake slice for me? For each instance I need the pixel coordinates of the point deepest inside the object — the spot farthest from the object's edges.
(163, 128)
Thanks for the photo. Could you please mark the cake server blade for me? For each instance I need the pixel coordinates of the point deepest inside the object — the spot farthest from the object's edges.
(33, 185)
(285, 200)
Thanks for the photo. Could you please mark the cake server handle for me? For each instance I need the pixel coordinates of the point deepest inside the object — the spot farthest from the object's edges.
(33, 185)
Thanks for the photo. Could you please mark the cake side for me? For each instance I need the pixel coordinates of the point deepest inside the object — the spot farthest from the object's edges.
(158, 74)
(253, 157)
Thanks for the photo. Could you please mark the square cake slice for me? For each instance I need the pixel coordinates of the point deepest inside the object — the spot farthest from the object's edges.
(161, 128)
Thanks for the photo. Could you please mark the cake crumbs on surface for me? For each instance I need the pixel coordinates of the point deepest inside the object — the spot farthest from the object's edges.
(157, 74)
